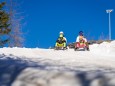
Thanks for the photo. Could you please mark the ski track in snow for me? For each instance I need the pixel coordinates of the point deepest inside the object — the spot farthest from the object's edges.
(100, 60)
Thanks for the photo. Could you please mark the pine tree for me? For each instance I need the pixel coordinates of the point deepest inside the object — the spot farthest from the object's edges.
(4, 26)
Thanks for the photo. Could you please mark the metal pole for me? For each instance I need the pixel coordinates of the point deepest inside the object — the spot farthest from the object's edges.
(109, 11)
(109, 26)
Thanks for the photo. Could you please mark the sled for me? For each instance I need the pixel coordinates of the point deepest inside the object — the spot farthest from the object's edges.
(80, 46)
(60, 47)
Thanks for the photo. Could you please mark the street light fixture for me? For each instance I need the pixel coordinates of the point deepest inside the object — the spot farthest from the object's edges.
(109, 11)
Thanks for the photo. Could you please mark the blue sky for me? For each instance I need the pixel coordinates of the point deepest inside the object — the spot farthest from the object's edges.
(46, 18)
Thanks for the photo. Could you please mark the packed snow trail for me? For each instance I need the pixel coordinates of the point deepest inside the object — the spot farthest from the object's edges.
(89, 66)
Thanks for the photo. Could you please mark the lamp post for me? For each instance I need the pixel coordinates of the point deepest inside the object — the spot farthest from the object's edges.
(109, 11)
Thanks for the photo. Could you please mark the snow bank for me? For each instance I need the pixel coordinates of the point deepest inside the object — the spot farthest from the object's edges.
(48, 67)
(27, 52)
(35, 77)
(105, 48)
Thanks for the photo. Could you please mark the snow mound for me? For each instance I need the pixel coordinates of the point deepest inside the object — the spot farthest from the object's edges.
(35, 77)
(105, 48)
(49, 67)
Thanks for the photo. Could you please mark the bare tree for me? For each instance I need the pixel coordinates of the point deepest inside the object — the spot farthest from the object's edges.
(16, 19)
(103, 37)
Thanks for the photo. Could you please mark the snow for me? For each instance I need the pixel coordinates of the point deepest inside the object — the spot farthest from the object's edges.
(48, 67)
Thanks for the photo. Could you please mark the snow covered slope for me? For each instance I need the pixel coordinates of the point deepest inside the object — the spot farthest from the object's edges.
(48, 67)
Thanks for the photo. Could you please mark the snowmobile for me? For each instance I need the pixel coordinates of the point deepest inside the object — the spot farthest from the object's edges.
(81, 46)
(60, 46)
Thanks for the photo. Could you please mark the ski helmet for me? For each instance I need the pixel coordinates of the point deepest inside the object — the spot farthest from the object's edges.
(61, 32)
(81, 33)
